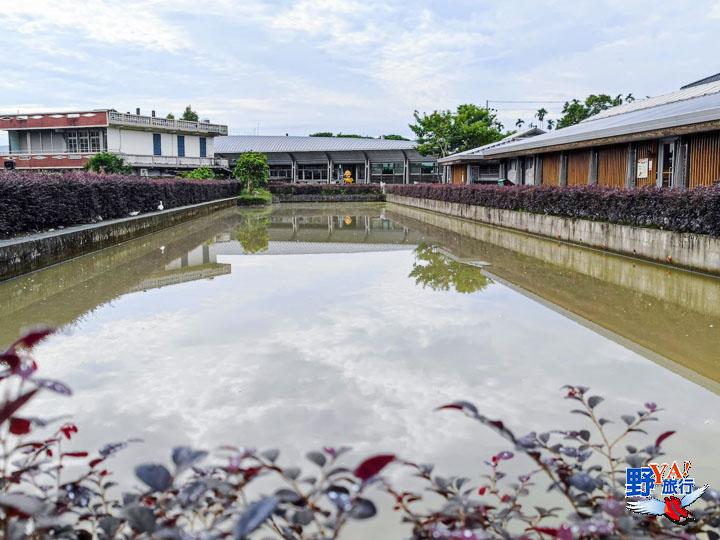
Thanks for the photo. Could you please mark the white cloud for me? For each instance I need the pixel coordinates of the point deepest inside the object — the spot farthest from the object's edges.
(133, 23)
(300, 66)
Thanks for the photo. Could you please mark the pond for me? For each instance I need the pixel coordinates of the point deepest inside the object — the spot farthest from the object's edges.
(305, 326)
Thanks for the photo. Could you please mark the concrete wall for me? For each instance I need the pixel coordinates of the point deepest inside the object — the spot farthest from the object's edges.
(25, 254)
(129, 141)
(693, 251)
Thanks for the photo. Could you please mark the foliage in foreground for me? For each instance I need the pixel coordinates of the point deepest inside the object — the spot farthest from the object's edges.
(255, 197)
(205, 495)
(683, 210)
(201, 173)
(36, 201)
(252, 170)
(107, 163)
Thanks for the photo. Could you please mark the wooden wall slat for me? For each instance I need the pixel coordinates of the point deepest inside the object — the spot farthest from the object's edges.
(704, 159)
(612, 166)
(578, 164)
(648, 150)
(551, 169)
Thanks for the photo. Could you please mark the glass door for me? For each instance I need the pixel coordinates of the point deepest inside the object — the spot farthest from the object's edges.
(667, 157)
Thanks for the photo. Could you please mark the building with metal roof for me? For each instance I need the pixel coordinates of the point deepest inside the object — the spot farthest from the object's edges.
(711, 78)
(334, 159)
(475, 167)
(149, 145)
(672, 140)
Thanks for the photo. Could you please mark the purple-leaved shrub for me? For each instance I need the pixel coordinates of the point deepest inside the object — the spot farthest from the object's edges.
(683, 210)
(31, 201)
(203, 495)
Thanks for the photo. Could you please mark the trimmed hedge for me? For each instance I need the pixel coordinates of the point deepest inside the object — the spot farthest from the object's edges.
(695, 210)
(286, 188)
(31, 202)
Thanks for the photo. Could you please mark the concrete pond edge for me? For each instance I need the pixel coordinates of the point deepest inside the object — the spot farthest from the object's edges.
(686, 250)
(25, 254)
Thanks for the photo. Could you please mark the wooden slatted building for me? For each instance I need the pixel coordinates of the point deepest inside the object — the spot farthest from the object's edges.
(671, 140)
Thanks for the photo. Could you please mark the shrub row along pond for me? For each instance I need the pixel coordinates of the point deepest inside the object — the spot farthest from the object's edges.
(285, 188)
(578, 473)
(34, 201)
(693, 211)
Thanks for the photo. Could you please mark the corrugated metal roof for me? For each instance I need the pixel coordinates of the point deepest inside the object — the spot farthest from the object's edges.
(480, 150)
(236, 144)
(685, 93)
(711, 78)
(686, 109)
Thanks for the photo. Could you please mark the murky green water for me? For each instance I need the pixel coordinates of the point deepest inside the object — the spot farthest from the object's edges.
(307, 326)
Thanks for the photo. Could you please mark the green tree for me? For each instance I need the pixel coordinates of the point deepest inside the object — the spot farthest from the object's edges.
(550, 124)
(189, 115)
(201, 173)
(439, 272)
(170, 116)
(541, 114)
(252, 170)
(576, 111)
(322, 134)
(253, 234)
(393, 137)
(352, 136)
(442, 133)
(519, 123)
(105, 162)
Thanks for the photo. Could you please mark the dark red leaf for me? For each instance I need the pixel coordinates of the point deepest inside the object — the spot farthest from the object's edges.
(74, 454)
(550, 531)
(372, 466)
(11, 359)
(9, 408)
(662, 437)
(19, 426)
(450, 406)
(95, 462)
(68, 430)
(33, 337)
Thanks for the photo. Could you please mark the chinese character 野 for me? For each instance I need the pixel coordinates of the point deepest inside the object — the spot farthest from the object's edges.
(639, 481)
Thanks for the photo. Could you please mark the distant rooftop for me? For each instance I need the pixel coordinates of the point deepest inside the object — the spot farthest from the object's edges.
(479, 152)
(236, 144)
(691, 105)
(711, 78)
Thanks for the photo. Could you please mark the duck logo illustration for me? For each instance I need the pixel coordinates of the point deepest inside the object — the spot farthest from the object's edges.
(673, 507)
(672, 480)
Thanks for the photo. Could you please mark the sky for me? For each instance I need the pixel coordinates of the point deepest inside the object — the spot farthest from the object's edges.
(353, 66)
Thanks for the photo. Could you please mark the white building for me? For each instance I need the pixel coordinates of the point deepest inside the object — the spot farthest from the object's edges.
(150, 145)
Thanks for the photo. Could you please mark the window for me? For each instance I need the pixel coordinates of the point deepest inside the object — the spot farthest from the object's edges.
(390, 173)
(425, 171)
(157, 145)
(181, 145)
(281, 173)
(668, 155)
(84, 141)
(312, 173)
(95, 141)
(71, 139)
(203, 147)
